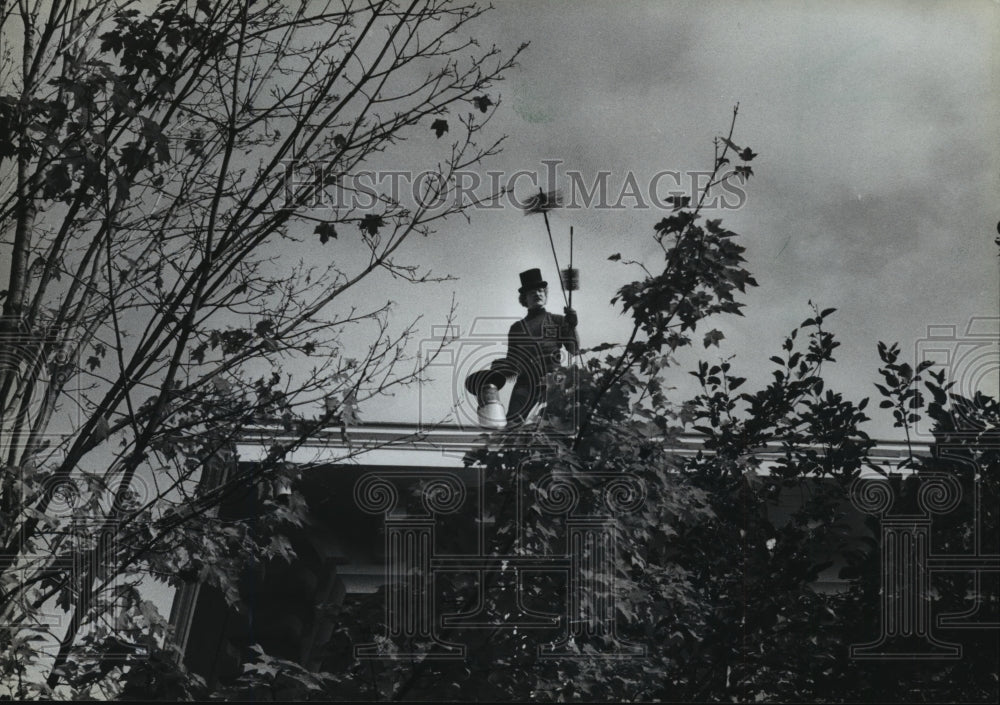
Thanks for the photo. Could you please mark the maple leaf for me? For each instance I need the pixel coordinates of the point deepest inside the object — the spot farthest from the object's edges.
(193, 144)
(678, 202)
(349, 409)
(264, 328)
(482, 102)
(198, 354)
(325, 232)
(713, 337)
(744, 171)
(440, 126)
(747, 154)
(371, 223)
(222, 386)
(673, 223)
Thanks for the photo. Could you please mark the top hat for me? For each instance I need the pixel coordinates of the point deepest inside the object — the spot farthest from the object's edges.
(531, 279)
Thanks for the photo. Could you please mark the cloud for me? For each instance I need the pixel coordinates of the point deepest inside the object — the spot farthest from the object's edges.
(876, 128)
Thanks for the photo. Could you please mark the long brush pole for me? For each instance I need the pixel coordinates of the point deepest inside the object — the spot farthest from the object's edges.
(545, 215)
(570, 264)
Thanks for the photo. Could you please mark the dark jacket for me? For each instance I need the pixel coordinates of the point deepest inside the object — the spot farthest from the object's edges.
(534, 347)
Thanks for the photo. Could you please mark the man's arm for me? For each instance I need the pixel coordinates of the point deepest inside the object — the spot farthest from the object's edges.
(567, 331)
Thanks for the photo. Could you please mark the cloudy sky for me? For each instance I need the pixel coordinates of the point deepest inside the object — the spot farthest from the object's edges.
(877, 128)
(875, 188)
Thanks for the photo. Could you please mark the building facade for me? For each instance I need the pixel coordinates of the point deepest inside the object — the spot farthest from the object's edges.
(382, 502)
